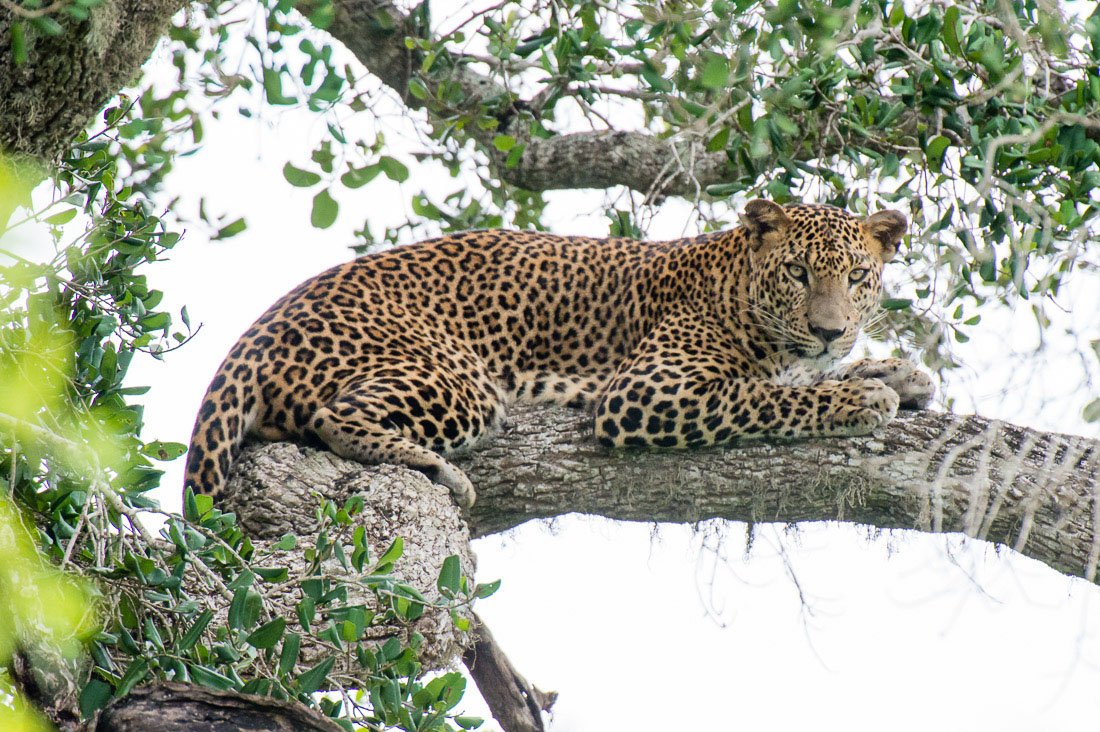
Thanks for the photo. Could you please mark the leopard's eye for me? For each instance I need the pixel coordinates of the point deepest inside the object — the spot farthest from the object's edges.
(858, 275)
(797, 271)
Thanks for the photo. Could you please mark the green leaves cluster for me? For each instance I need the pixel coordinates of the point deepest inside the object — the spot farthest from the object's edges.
(76, 311)
(162, 629)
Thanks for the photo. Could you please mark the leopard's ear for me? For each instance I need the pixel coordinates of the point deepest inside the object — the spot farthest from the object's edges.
(884, 231)
(767, 223)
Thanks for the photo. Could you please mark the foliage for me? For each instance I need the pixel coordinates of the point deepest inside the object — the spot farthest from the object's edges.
(979, 119)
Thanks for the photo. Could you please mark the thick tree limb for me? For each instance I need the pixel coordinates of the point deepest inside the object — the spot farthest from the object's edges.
(171, 707)
(1031, 491)
(66, 79)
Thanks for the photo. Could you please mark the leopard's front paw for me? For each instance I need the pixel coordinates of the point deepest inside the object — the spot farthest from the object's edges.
(914, 387)
(461, 488)
(860, 406)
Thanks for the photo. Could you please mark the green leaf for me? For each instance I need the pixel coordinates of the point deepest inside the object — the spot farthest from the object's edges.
(391, 649)
(324, 210)
(951, 30)
(204, 504)
(244, 579)
(61, 218)
(323, 15)
(306, 610)
(289, 655)
(311, 680)
(356, 177)
(715, 73)
(273, 87)
(469, 722)
(655, 80)
(288, 542)
(135, 672)
(94, 695)
(244, 611)
(163, 451)
(231, 230)
(894, 303)
(313, 588)
(394, 169)
(204, 676)
(397, 548)
(191, 637)
(514, 156)
(300, 178)
(484, 590)
(719, 141)
(47, 26)
(934, 151)
(268, 634)
(450, 575)
(18, 43)
(272, 574)
(1091, 412)
(417, 89)
(504, 143)
(190, 505)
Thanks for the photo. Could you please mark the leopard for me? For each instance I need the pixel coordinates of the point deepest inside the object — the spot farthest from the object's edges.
(413, 354)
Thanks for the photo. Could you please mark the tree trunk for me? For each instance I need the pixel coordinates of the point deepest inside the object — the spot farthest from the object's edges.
(66, 79)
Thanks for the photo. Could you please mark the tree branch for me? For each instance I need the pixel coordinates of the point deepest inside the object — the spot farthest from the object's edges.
(66, 79)
(1032, 491)
(169, 706)
(375, 30)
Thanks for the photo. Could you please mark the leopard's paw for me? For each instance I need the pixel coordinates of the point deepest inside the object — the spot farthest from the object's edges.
(461, 487)
(914, 387)
(860, 406)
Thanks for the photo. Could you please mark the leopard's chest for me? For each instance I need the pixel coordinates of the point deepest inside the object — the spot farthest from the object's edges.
(802, 372)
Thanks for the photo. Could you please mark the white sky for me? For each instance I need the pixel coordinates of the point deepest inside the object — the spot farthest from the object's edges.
(671, 628)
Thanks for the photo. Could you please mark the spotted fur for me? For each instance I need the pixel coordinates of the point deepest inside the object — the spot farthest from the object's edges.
(412, 353)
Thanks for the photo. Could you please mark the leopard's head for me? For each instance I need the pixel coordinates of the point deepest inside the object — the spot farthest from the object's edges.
(816, 273)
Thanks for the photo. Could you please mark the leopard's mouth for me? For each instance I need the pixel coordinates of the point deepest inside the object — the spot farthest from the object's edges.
(800, 350)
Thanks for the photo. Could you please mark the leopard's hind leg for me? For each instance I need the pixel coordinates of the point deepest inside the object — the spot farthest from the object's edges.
(411, 414)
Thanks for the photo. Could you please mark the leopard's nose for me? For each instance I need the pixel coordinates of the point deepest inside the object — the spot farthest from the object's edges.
(827, 335)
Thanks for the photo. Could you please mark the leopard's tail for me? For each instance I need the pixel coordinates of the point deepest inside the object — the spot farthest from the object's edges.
(228, 411)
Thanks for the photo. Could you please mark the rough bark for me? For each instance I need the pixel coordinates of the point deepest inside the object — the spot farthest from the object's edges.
(175, 707)
(1032, 491)
(68, 78)
(273, 491)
